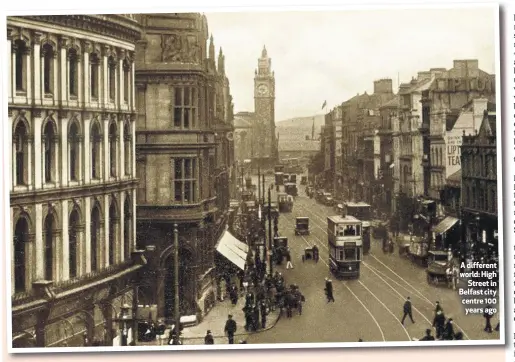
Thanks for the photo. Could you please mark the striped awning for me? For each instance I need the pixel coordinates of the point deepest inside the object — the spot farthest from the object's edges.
(445, 225)
(233, 249)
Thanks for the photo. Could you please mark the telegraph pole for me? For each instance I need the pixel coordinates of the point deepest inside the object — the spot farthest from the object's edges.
(269, 230)
(258, 186)
(176, 311)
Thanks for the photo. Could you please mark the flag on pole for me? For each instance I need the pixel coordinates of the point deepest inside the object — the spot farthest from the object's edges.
(324, 104)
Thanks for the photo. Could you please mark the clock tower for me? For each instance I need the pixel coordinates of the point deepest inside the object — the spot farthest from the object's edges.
(264, 108)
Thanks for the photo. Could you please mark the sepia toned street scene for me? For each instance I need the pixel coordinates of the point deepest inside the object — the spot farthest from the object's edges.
(254, 178)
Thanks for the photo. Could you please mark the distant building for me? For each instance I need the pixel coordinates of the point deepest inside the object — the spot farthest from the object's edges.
(263, 143)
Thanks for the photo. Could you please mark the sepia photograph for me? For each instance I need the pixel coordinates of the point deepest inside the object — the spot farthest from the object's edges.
(275, 178)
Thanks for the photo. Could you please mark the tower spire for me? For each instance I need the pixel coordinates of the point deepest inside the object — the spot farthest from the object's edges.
(211, 48)
(220, 61)
(264, 53)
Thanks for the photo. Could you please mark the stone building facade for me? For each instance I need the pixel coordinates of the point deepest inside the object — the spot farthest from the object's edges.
(73, 187)
(184, 158)
(479, 205)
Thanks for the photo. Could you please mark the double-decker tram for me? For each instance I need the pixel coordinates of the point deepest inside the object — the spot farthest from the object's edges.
(345, 243)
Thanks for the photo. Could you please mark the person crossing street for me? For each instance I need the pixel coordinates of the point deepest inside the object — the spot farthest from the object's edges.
(329, 290)
(407, 311)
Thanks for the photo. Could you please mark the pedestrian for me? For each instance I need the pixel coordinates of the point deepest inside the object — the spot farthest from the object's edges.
(222, 289)
(288, 259)
(315, 253)
(448, 332)
(230, 329)
(488, 316)
(407, 311)
(428, 336)
(264, 313)
(255, 318)
(329, 290)
(439, 324)
(438, 307)
(208, 339)
(234, 294)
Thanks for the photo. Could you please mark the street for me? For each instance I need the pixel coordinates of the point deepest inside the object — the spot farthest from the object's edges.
(370, 307)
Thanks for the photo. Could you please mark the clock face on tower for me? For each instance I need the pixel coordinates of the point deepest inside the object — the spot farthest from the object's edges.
(262, 89)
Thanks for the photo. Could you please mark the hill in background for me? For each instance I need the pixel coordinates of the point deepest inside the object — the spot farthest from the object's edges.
(298, 128)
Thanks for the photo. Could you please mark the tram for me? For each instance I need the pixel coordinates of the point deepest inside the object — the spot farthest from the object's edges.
(345, 244)
(361, 211)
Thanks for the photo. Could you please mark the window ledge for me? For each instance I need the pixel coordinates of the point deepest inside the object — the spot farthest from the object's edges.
(74, 183)
(21, 188)
(49, 95)
(50, 185)
(73, 98)
(21, 93)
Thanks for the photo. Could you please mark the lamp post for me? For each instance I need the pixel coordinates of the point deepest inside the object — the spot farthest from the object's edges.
(269, 229)
(258, 184)
(263, 187)
(124, 321)
(176, 311)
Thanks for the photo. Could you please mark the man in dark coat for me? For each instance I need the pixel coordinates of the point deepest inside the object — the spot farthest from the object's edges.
(263, 313)
(438, 307)
(233, 294)
(439, 324)
(407, 311)
(448, 332)
(488, 316)
(329, 290)
(208, 339)
(315, 253)
(230, 329)
(428, 336)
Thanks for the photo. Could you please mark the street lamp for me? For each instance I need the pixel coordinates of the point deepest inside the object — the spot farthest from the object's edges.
(124, 321)
(176, 311)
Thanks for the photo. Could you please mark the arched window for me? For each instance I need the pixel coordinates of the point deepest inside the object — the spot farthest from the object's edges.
(72, 243)
(127, 146)
(127, 229)
(74, 145)
(20, 240)
(49, 246)
(113, 137)
(95, 235)
(49, 149)
(96, 141)
(113, 223)
(21, 52)
(48, 54)
(73, 76)
(21, 150)
(126, 80)
(94, 74)
(112, 78)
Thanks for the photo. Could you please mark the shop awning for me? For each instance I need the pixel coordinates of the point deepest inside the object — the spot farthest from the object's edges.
(445, 225)
(233, 249)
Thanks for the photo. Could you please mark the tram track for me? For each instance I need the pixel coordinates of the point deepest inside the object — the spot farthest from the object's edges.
(382, 274)
(360, 292)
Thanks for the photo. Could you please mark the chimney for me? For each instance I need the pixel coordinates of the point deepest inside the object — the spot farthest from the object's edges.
(383, 86)
(463, 66)
(479, 107)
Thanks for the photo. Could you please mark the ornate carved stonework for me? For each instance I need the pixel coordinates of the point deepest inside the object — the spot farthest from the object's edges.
(182, 48)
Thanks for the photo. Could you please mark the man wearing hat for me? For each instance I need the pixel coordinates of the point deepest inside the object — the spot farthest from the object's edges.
(230, 329)
(329, 290)
(208, 339)
(407, 311)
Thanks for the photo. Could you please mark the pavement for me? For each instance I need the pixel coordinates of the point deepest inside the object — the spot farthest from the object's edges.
(370, 307)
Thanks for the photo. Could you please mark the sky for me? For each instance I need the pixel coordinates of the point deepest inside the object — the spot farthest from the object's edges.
(335, 55)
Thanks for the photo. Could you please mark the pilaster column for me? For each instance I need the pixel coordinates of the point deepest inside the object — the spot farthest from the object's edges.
(28, 72)
(65, 242)
(86, 147)
(120, 87)
(133, 220)
(65, 162)
(86, 254)
(132, 93)
(81, 267)
(86, 70)
(40, 252)
(132, 128)
(105, 76)
(37, 68)
(105, 243)
(63, 73)
(120, 255)
(105, 148)
(120, 164)
(80, 82)
(10, 66)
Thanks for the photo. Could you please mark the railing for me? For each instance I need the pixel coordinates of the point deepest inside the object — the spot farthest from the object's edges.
(90, 277)
(23, 297)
